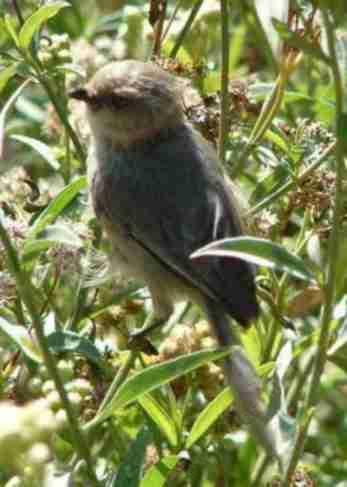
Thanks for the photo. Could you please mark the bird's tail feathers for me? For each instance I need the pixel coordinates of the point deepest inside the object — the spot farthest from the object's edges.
(242, 379)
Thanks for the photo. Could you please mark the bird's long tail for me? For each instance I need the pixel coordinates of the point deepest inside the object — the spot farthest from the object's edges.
(242, 379)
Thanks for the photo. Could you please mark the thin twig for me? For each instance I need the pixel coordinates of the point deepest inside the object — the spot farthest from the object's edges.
(171, 19)
(193, 13)
(334, 247)
(64, 118)
(224, 97)
(158, 34)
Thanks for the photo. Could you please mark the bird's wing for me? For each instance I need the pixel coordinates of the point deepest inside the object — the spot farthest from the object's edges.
(173, 200)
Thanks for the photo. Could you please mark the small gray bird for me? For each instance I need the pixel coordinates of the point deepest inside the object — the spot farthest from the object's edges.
(159, 192)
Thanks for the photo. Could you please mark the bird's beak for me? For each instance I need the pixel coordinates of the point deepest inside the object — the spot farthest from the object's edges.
(79, 94)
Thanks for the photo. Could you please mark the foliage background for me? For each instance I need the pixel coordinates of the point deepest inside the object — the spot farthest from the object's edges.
(64, 325)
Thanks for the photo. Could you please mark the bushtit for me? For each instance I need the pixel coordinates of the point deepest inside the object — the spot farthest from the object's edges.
(160, 194)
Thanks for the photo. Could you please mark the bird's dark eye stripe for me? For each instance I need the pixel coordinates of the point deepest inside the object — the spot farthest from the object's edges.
(119, 101)
(115, 101)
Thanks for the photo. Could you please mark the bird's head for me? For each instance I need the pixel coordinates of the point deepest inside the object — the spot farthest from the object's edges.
(130, 101)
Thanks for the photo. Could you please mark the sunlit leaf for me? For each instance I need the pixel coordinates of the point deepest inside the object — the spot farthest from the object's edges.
(57, 206)
(49, 237)
(5, 111)
(216, 408)
(258, 251)
(160, 417)
(34, 22)
(22, 338)
(10, 26)
(43, 149)
(158, 474)
(337, 353)
(155, 376)
(209, 415)
(6, 74)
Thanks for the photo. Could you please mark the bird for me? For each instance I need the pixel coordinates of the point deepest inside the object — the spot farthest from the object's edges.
(160, 193)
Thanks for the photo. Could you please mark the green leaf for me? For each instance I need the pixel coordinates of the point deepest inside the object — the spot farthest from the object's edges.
(269, 184)
(258, 251)
(33, 248)
(209, 415)
(155, 376)
(158, 474)
(217, 407)
(61, 234)
(5, 111)
(50, 236)
(34, 22)
(68, 341)
(129, 473)
(160, 417)
(22, 338)
(6, 74)
(57, 206)
(10, 26)
(43, 149)
(259, 91)
(337, 353)
(294, 39)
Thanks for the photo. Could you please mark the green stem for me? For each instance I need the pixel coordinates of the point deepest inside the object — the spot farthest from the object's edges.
(181, 36)
(158, 36)
(224, 98)
(25, 290)
(269, 110)
(122, 374)
(118, 380)
(334, 247)
(18, 12)
(64, 119)
(259, 469)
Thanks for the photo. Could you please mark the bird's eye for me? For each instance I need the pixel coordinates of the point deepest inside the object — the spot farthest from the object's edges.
(118, 102)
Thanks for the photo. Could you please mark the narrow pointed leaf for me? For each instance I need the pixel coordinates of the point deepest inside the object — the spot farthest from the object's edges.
(209, 415)
(217, 407)
(160, 417)
(22, 338)
(130, 471)
(158, 474)
(34, 22)
(50, 236)
(10, 26)
(56, 207)
(155, 376)
(68, 341)
(6, 74)
(43, 149)
(5, 111)
(258, 251)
